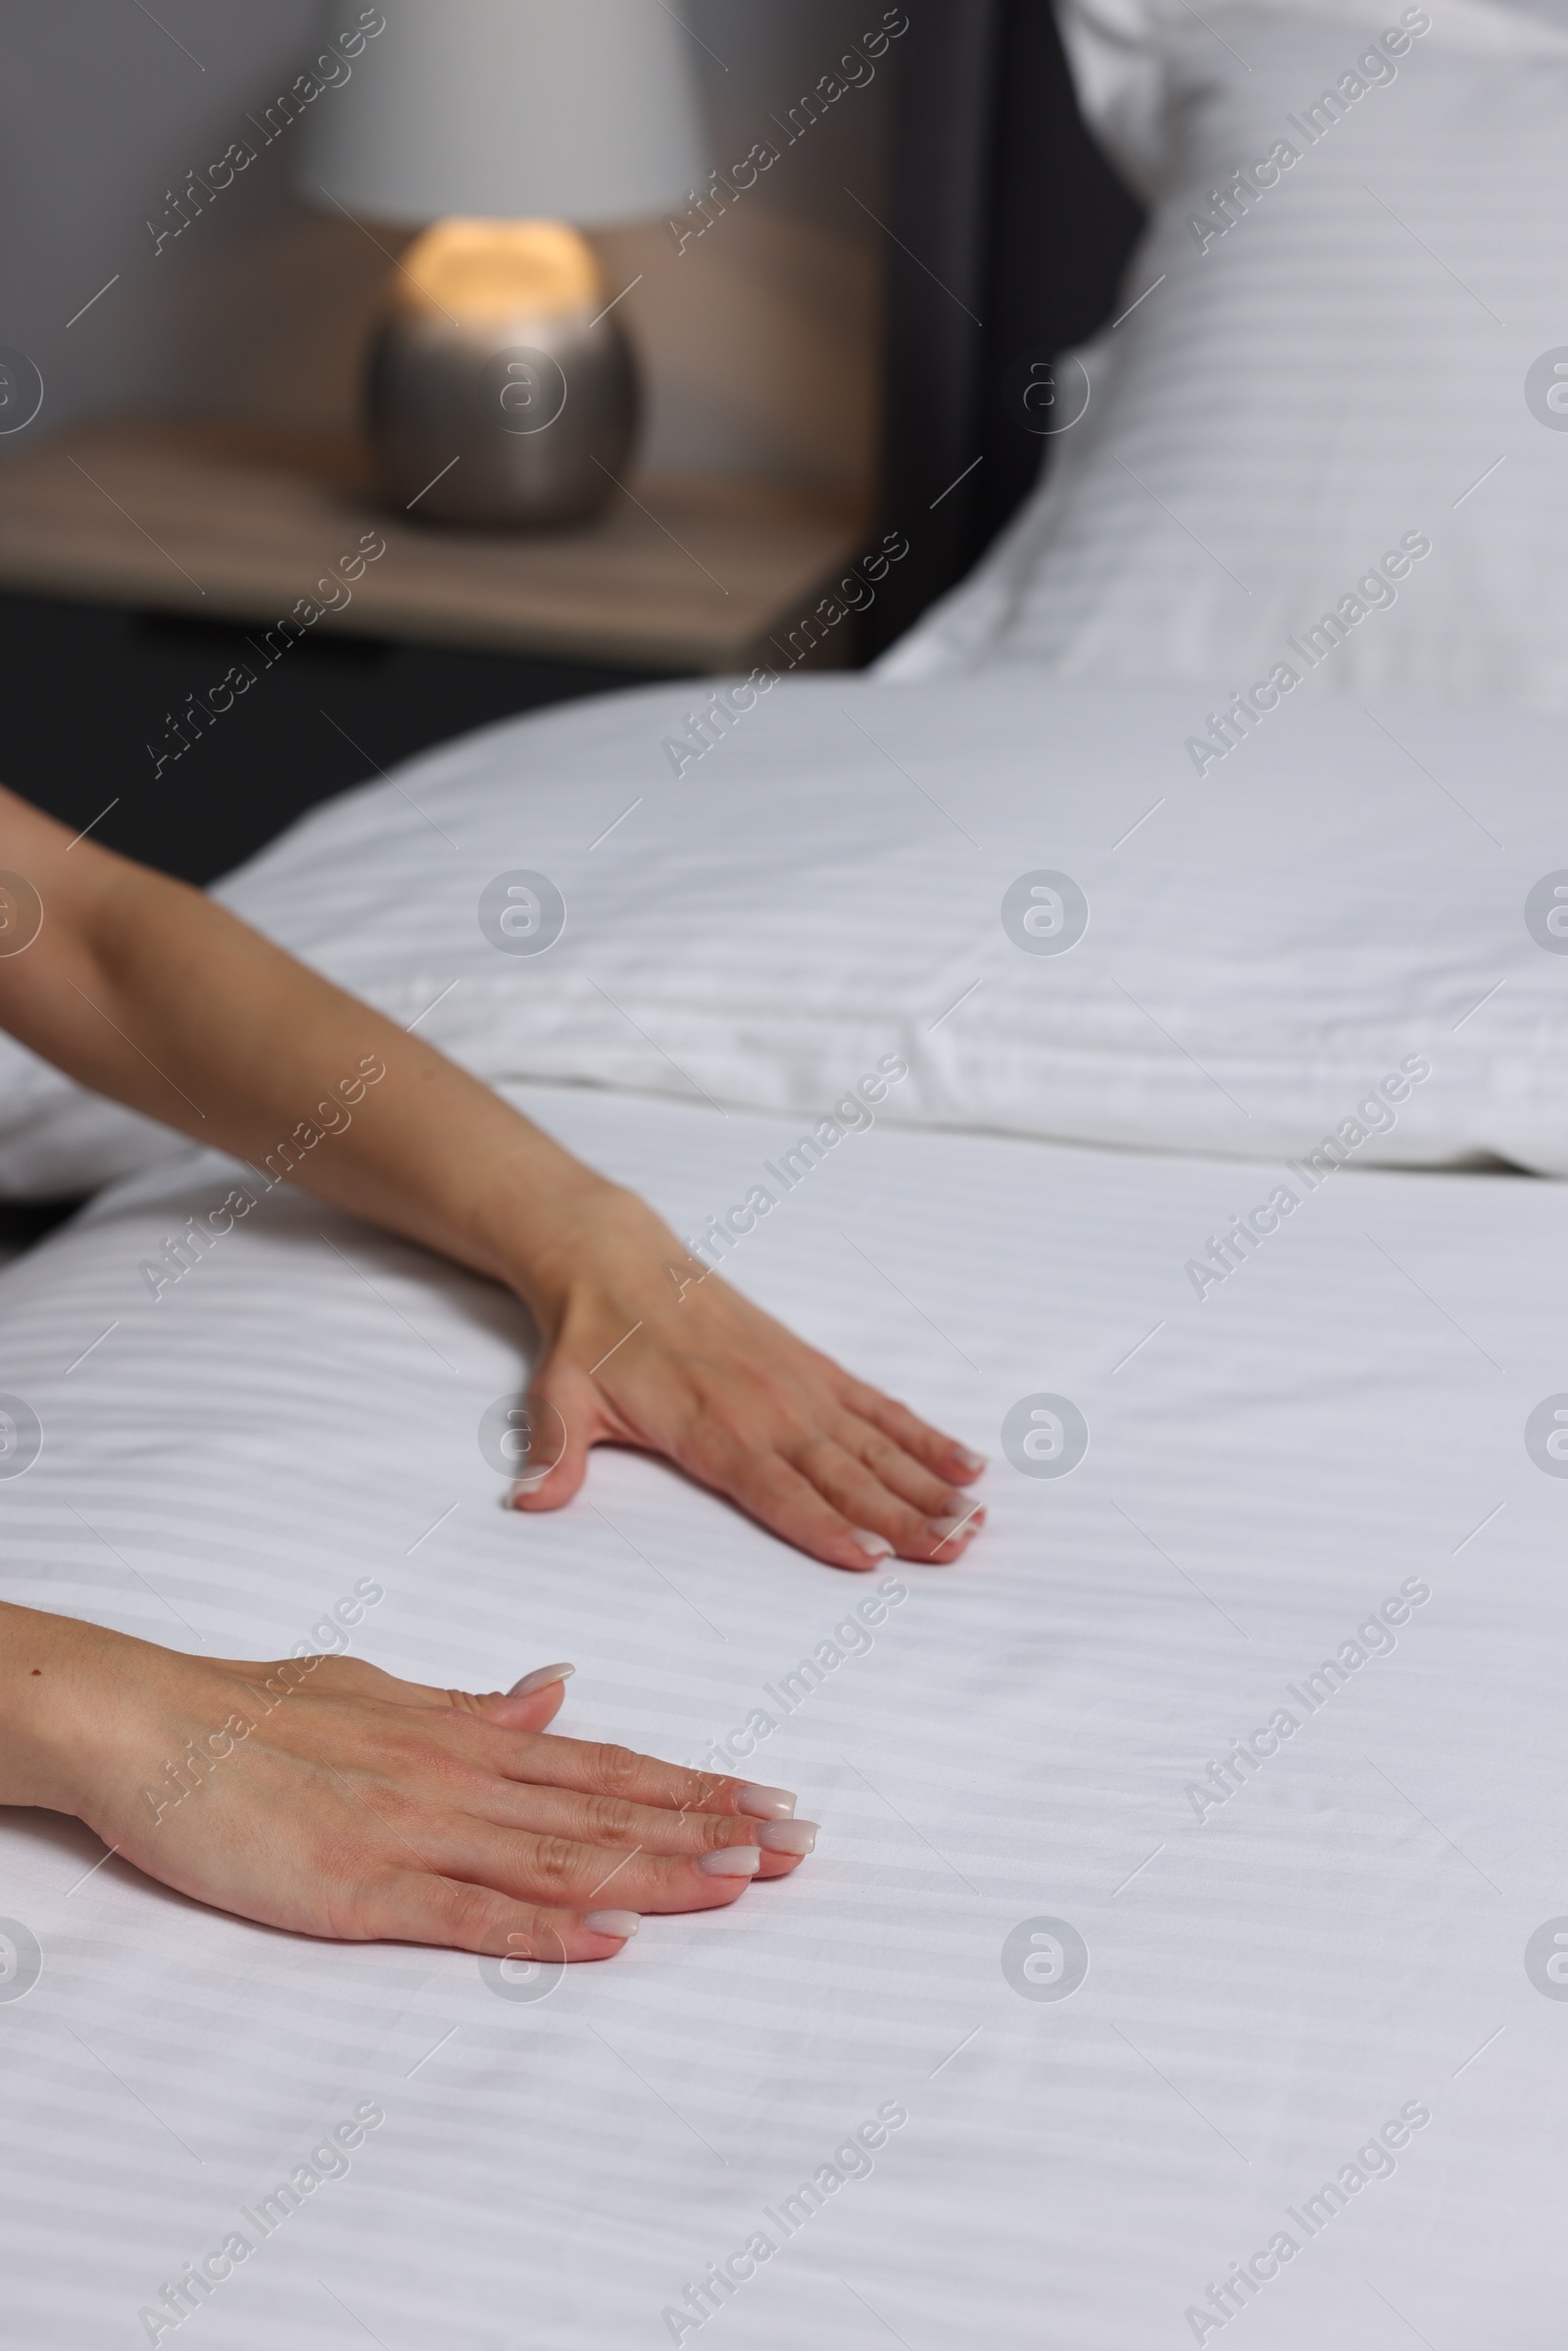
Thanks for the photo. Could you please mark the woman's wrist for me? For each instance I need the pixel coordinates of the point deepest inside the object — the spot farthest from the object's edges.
(537, 1223)
(56, 1680)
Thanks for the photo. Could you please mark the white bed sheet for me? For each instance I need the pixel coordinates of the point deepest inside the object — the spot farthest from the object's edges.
(1266, 1988)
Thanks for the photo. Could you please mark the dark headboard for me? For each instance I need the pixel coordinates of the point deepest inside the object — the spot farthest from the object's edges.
(1011, 230)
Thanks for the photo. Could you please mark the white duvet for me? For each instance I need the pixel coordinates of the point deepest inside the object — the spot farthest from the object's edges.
(1349, 931)
(1306, 2040)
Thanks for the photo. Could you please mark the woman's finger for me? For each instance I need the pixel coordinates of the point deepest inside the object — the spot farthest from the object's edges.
(867, 1502)
(787, 1502)
(410, 1906)
(566, 1416)
(524, 1754)
(559, 1873)
(532, 1701)
(611, 1824)
(588, 1767)
(943, 1455)
(932, 1496)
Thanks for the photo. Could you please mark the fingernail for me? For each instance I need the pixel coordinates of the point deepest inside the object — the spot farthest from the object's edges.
(622, 1924)
(522, 1489)
(731, 1861)
(945, 1529)
(875, 1546)
(541, 1679)
(787, 1837)
(972, 1461)
(765, 1803)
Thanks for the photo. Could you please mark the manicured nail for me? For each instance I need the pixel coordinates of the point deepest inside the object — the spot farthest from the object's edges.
(731, 1861)
(541, 1679)
(622, 1924)
(765, 1803)
(972, 1461)
(875, 1546)
(787, 1837)
(947, 1529)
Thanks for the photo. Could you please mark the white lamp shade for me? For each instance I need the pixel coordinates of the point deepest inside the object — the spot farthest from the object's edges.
(573, 110)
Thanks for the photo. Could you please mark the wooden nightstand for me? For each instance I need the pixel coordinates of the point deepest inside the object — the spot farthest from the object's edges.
(226, 523)
(138, 557)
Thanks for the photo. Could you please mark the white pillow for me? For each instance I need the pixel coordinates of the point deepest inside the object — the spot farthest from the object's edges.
(818, 903)
(1129, 69)
(1367, 351)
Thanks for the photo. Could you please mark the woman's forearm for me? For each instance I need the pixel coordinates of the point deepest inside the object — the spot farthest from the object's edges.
(148, 991)
(287, 1072)
(241, 1048)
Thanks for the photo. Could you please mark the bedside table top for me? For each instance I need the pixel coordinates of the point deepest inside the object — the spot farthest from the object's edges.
(233, 522)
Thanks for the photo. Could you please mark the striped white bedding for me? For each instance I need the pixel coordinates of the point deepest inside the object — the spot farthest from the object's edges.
(1363, 339)
(1336, 1947)
(853, 873)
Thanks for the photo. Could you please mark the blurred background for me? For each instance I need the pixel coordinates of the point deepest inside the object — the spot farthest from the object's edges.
(760, 346)
(235, 578)
(141, 562)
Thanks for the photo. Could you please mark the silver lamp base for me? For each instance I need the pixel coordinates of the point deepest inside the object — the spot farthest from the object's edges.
(496, 394)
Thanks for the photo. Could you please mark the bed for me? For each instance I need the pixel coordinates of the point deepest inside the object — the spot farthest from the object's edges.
(1273, 1975)
(1188, 1941)
(1306, 1491)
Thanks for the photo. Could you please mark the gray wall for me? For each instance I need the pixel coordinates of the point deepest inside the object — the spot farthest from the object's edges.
(759, 340)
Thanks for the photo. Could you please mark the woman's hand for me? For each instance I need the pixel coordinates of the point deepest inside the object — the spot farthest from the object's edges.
(157, 996)
(322, 1796)
(645, 1345)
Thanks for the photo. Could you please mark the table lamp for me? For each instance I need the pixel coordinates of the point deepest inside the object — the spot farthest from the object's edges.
(501, 389)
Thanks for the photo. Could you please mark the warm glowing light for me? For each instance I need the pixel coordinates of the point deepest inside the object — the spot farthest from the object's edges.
(490, 270)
